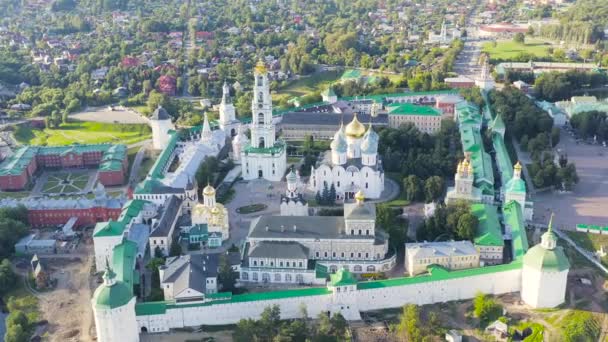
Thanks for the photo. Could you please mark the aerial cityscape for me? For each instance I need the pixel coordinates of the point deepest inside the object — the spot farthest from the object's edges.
(283, 170)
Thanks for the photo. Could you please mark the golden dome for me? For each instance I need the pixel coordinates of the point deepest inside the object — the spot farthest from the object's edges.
(355, 129)
(517, 166)
(459, 167)
(209, 190)
(260, 68)
(215, 210)
(359, 196)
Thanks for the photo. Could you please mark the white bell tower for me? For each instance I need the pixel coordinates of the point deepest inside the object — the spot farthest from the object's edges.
(262, 129)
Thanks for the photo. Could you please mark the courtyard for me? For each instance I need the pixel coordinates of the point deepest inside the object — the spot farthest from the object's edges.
(587, 202)
(65, 182)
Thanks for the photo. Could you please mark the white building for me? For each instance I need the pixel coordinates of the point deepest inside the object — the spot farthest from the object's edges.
(453, 255)
(239, 142)
(228, 122)
(545, 273)
(281, 249)
(443, 38)
(293, 203)
(161, 124)
(211, 213)
(265, 157)
(107, 235)
(188, 277)
(352, 165)
(485, 81)
(463, 188)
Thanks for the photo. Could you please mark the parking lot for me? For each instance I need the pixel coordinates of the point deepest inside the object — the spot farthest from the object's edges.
(588, 202)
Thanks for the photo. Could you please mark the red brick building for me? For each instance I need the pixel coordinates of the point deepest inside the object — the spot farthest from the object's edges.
(17, 170)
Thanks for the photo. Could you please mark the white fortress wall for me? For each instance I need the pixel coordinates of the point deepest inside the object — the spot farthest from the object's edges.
(420, 293)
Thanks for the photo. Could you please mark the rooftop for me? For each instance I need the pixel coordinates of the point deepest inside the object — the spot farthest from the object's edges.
(488, 231)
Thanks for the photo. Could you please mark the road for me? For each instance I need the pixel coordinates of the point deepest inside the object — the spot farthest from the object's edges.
(467, 62)
(137, 161)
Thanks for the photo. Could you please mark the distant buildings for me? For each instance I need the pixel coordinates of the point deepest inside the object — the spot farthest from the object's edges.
(502, 29)
(580, 104)
(540, 67)
(19, 169)
(292, 202)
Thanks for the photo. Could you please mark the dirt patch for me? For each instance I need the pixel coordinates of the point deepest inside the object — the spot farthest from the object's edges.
(68, 307)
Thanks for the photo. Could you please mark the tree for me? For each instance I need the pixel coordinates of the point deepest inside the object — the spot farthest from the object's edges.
(332, 194)
(15, 333)
(176, 248)
(8, 278)
(519, 38)
(486, 309)
(338, 325)
(226, 275)
(17, 317)
(467, 227)
(410, 328)
(433, 188)
(411, 186)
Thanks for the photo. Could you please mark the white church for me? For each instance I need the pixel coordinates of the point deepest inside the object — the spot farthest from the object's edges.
(351, 165)
(263, 157)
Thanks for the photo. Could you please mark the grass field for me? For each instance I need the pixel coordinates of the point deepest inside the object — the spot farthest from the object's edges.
(83, 132)
(317, 83)
(507, 49)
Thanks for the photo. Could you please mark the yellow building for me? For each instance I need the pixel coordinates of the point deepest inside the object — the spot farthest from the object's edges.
(426, 119)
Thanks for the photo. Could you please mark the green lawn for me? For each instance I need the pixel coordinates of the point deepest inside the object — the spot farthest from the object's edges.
(507, 49)
(83, 132)
(16, 195)
(306, 85)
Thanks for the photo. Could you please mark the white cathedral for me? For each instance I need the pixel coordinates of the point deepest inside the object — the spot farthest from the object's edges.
(264, 156)
(352, 164)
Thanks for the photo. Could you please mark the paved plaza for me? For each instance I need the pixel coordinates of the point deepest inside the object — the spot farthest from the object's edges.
(588, 203)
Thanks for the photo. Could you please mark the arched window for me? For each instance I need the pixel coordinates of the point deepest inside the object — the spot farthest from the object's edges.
(261, 118)
(371, 268)
(277, 277)
(260, 81)
(245, 276)
(288, 278)
(260, 97)
(261, 143)
(358, 268)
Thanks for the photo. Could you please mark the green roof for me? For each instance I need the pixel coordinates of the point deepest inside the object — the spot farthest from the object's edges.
(112, 296)
(488, 231)
(110, 228)
(540, 258)
(342, 278)
(276, 149)
(513, 217)
(150, 308)
(412, 109)
(157, 308)
(157, 170)
(18, 161)
(437, 273)
(503, 161)
(123, 261)
(115, 228)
